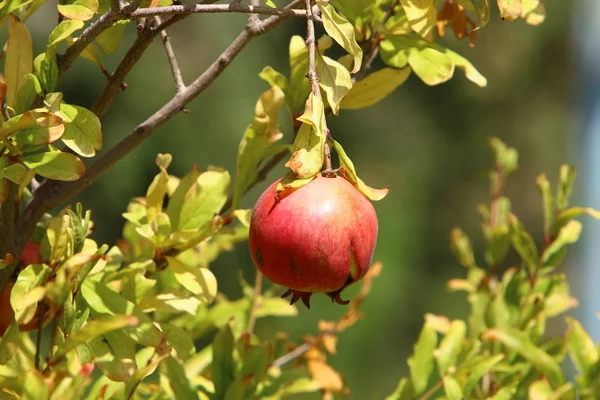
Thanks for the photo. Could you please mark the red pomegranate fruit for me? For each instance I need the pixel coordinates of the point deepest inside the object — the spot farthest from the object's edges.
(317, 238)
(31, 253)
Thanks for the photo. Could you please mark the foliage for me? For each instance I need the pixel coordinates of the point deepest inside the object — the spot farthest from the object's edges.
(502, 350)
(144, 318)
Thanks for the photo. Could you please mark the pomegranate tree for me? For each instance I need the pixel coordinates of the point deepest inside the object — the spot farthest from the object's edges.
(316, 238)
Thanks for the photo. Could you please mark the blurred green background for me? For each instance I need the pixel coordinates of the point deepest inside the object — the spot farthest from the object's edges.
(428, 144)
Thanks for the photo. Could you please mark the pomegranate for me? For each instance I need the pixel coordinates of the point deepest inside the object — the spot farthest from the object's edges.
(317, 238)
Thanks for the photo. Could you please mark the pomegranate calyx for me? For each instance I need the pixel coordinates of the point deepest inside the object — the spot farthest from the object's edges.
(298, 295)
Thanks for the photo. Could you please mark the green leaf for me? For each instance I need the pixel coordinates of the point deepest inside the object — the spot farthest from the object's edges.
(133, 382)
(157, 190)
(565, 186)
(170, 301)
(341, 31)
(471, 73)
(179, 195)
(452, 388)
(421, 363)
(374, 88)
(520, 343)
(46, 70)
(29, 90)
(83, 130)
(422, 16)
(582, 350)
(451, 346)
(510, 10)
(476, 369)
(523, 243)
(275, 79)
(19, 56)
(567, 235)
(81, 10)
(103, 300)
(539, 390)
(110, 39)
(507, 158)
(461, 246)
(404, 391)
(55, 165)
(114, 354)
(223, 365)
(93, 329)
(55, 241)
(204, 199)
(15, 173)
(180, 340)
(62, 31)
(36, 387)
(27, 291)
(431, 63)
(275, 307)
(299, 87)
(307, 159)
(173, 371)
(334, 79)
(199, 281)
(568, 214)
(548, 202)
(258, 138)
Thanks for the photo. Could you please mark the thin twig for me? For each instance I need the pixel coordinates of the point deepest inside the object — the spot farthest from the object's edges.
(175, 70)
(292, 355)
(313, 78)
(215, 8)
(134, 54)
(433, 390)
(255, 300)
(52, 193)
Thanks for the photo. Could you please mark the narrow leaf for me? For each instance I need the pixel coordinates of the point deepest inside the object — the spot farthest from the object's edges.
(374, 88)
(422, 361)
(19, 58)
(450, 346)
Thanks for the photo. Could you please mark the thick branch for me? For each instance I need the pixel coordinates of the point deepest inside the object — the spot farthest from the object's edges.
(52, 193)
(215, 8)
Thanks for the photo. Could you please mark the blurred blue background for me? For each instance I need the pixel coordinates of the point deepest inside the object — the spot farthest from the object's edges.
(428, 144)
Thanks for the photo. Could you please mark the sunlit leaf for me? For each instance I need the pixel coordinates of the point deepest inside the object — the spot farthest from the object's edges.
(223, 365)
(19, 58)
(404, 391)
(422, 16)
(199, 281)
(452, 388)
(55, 165)
(83, 131)
(510, 10)
(110, 39)
(422, 361)
(63, 30)
(204, 199)
(567, 235)
(450, 346)
(82, 10)
(582, 350)
(462, 248)
(374, 88)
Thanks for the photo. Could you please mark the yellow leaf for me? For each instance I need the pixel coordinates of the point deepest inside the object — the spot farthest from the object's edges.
(421, 15)
(533, 12)
(19, 58)
(510, 10)
(335, 81)
(328, 378)
(374, 88)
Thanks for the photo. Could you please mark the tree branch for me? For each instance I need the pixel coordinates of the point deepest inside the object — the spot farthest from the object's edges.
(52, 193)
(134, 54)
(175, 70)
(215, 8)
(292, 355)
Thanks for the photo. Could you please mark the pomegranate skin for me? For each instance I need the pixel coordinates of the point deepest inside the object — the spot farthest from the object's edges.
(318, 238)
